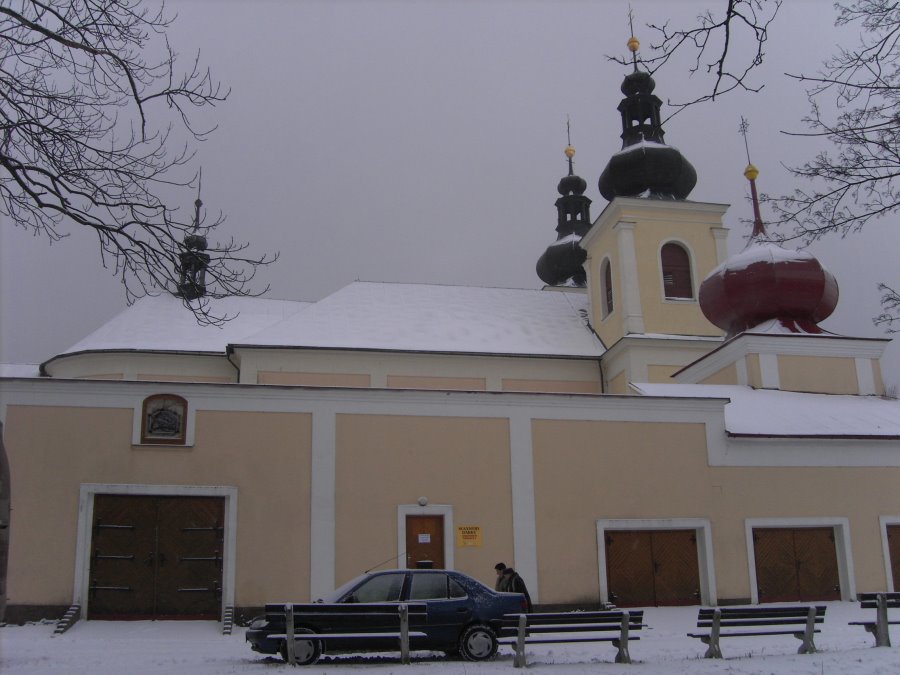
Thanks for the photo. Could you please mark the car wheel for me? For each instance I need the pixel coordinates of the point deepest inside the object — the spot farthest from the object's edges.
(478, 643)
(306, 652)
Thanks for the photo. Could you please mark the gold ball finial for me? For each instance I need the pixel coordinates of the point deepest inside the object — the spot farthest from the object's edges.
(751, 172)
(570, 151)
(633, 44)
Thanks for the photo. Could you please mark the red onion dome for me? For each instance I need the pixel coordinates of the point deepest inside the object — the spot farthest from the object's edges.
(765, 282)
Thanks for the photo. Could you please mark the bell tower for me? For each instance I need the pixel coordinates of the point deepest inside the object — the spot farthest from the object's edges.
(649, 249)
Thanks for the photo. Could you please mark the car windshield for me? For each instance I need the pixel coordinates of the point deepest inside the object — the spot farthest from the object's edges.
(342, 590)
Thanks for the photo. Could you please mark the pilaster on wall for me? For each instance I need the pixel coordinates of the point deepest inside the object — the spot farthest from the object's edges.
(633, 321)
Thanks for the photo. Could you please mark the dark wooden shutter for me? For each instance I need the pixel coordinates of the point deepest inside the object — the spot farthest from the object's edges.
(676, 268)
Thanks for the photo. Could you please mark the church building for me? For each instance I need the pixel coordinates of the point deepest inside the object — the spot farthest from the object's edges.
(661, 424)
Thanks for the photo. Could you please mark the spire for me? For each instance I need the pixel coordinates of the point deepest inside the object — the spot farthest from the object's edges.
(562, 263)
(645, 166)
(193, 261)
(751, 173)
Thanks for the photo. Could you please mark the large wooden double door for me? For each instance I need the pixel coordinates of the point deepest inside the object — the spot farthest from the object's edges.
(156, 557)
(796, 564)
(652, 567)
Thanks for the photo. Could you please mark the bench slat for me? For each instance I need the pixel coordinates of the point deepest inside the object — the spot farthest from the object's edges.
(343, 636)
(546, 641)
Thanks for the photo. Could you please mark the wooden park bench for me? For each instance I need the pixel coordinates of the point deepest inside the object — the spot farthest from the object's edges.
(880, 602)
(552, 628)
(799, 621)
(388, 621)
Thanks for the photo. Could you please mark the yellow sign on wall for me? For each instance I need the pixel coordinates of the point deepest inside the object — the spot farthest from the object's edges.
(468, 535)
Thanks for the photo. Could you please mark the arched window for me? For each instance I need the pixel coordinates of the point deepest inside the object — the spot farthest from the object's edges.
(606, 287)
(676, 270)
(164, 420)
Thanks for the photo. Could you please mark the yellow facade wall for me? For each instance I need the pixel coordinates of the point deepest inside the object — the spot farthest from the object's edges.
(384, 461)
(618, 384)
(728, 375)
(657, 373)
(555, 386)
(612, 470)
(822, 374)
(754, 372)
(674, 317)
(265, 455)
(427, 382)
(358, 380)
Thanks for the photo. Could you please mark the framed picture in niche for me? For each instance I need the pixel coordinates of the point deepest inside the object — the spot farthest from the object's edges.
(164, 420)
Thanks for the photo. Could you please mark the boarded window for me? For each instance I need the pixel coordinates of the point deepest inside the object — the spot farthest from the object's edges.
(676, 269)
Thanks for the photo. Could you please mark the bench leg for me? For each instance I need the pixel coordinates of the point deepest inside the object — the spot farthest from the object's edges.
(882, 637)
(712, 640)
(519, 660)
(289, 634)
(808, 645)
(623, 656)
(404, 634)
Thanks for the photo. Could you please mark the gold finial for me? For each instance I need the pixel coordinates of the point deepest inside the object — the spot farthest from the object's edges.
(570, 151)
(751, 172)
(633, 44)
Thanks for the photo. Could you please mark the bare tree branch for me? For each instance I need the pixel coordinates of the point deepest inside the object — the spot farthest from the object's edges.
(709, 46)
(94, 134)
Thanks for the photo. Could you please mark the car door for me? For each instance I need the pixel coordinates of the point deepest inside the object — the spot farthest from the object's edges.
(449, 608)
(380, 588)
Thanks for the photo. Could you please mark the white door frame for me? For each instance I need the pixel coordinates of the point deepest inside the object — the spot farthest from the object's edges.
(81, 593)
(702, 529)
(445, 510)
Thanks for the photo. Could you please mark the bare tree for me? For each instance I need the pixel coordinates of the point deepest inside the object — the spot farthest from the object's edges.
(710, 46)
(96, 134)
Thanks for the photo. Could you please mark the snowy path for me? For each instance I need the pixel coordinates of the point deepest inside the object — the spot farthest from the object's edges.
(134, 648)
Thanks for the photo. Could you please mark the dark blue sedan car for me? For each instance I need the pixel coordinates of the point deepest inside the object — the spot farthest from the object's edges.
(463, 615)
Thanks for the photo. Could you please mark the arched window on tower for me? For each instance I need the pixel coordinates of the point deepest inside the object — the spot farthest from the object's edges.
(676, 271)
(606, 288)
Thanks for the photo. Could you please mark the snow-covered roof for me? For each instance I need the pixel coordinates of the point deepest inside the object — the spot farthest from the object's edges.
(19, 370)
(431, 318)
(766, 412)
(162, 323)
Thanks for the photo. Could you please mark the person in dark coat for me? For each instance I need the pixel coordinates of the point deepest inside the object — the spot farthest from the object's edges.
(509, 581)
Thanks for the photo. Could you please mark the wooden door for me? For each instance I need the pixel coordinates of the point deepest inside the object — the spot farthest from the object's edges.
(893, 537)
(425, 541)
(796, 564)
(156, 557)
(652, 567)
(676, 571)
(629, 568)
(189, 557)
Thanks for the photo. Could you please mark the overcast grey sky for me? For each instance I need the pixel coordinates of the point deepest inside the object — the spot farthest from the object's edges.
(421, 141)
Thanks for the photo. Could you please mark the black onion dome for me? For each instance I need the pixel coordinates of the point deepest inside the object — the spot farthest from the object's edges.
(571, 185)
(648, 169)
(645, 166)
(638, 82)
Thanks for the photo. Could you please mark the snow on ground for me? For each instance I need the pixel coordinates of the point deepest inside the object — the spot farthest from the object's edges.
(199, 648)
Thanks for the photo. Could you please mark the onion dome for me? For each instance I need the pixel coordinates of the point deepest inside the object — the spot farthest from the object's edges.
(768, 283)
(645, 166)
(563, 261)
